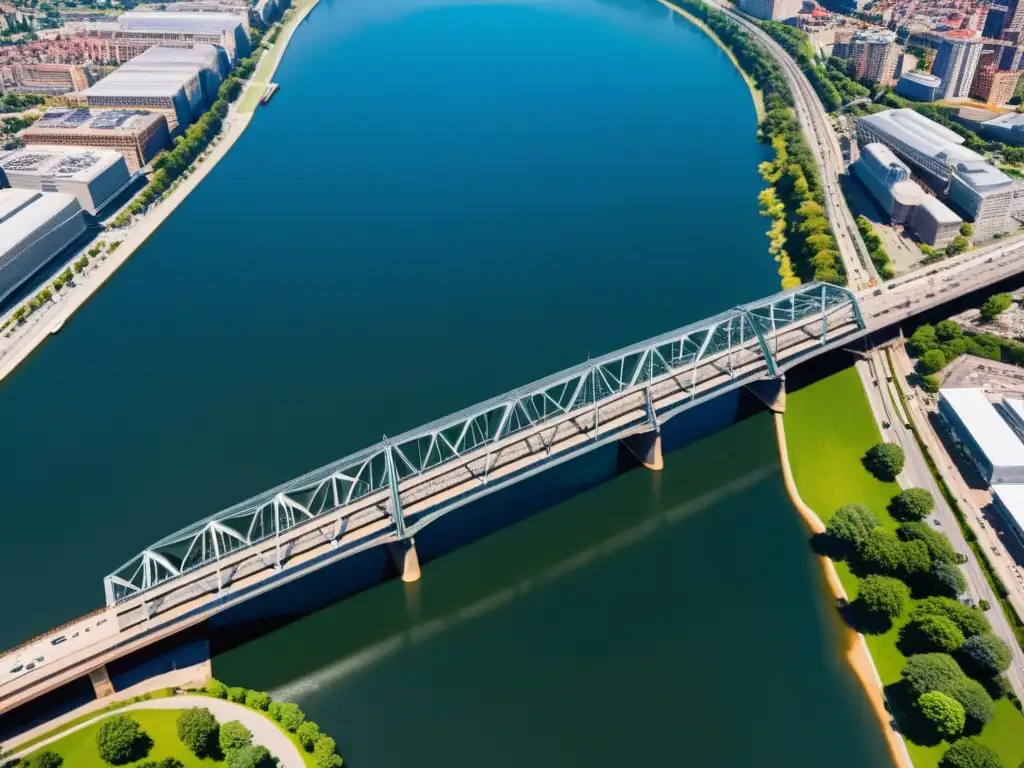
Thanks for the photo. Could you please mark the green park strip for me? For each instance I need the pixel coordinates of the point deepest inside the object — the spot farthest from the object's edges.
(829, 429)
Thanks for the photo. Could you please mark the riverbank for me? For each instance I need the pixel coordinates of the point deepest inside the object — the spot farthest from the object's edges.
(857, 654)
(136, 235)
(755, 93)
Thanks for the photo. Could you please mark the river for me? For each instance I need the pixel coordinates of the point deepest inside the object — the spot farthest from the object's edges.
(441, 203)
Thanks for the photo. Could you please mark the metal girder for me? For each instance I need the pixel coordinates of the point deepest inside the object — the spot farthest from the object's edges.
(746, 331)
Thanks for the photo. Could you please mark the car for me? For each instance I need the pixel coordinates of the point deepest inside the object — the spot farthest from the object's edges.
(59, 640)
(17, 668)
(31, 665)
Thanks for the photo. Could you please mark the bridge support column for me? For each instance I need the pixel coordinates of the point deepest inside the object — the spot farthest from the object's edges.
(404, 554)
(646, 446)
(771, 392)
(101, 683)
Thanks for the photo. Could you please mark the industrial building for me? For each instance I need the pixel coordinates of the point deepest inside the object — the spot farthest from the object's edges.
(108, 42)
(231, 29)
(1009, 501)
(990, 198)
(955, 64)
(137, 135)
(174, 90)
(918, 86)
(1008, 128)
(200, 60)
(934, 223)
(771, 10)
(984, 435)
(45, 79)
(92, 176)
(34, 227)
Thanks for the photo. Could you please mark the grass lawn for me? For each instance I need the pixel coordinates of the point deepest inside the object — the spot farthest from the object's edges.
(829, 427)
(79, 748)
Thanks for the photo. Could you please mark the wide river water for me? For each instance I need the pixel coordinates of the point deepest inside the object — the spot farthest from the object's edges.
(444, 202)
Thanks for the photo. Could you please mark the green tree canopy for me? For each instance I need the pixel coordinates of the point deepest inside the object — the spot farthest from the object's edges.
(986, 654)
(253, 756)
(851, 524)
(923, 339)
(884, 595)
(932, 361)
(970, 620)
(947, 330)
(884, 552)
(940, 550)
(307, 734)
(940, 633)
(912, 504)
(233, 735)
(943, 711)
(197, 730)
(257, 700)
(119, 739)
(47, 759)
(236, 694)
(946, 579)
(970, 753)
(885, 460)
(996, 305)
(217, 689)
(325, 753)
(967, 229)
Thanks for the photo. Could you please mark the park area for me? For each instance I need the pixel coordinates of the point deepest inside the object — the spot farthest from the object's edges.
(830, 429)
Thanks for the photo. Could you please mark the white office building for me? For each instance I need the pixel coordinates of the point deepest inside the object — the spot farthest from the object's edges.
(92, 176)
(34, 227)
(983, 434)
(990, 198)
(955, 64)
(771, 10)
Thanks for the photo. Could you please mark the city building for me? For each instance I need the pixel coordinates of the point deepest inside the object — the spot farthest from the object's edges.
(985, 437)
(1013, 22)
(200, 60)
(1007, 128)
(34, 227)
(918, 86)
(934, 223)
(873, 56)
(994, 86)
(46, 79)
(1008, 499)
(230, 28)
(905, 63)
(1002, 55)
(990, 198)
(841, 42)
(107, 42)
(955, 64)
(771, 10)
(174, 91)
(887, 178)
(93, 176)
(137, 135)
(994, 20)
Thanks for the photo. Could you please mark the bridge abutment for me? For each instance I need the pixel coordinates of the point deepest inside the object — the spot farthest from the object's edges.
(646, 446)
(404, 554)
(771, 392)
(101, 682)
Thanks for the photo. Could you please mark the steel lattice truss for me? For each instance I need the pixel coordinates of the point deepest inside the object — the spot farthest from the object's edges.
(379, 469)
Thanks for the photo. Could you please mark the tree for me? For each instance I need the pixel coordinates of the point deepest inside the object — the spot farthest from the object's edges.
(290, 716)
(325, 753)
(995, 306)
(257, 700)
(976, 700)
(233, 735)
(119, 739)
(966, 229)
(307, 734)
(197, 730)
(986, 654)
(217, 689)
(253, 756)
(882, 551)
(236, 694)
(970, 620)
(958, 246)
(885, 460)
(931, 362)
(938, 632)
(924, 338)
(943, 711)
(940, 550)
(939, 672)
(947, 330)
(912, 504)
(48, 760)
(946, 579)
(884, 595)
(930, 384)
(970, 753)
(851, 524)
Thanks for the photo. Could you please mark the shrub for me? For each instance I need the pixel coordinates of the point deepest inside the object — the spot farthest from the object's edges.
(987, 654)
(197, 730)
(851, 524)
(946, 579)
(938, 632)
(969, 753)
(325, 753)
(943, 711)
(253, 756)
(996, 305)
(48, 760)
(236, 694)
(257, 700)
(290, 716)
(233, 735)
(167, 762)
(970, 620)
(217, 689)
(884, 595)
(119, 738)
(307, 734)
(884, 460)
(983, 605)
(912, 504)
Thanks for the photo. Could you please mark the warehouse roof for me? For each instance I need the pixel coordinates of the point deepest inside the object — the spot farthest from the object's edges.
(85, 120)
(161, 20)
(1011, 499)
(23, 212)
(201, 55)
(60, 162)
(142, 83)
(924, 135)
(1002, 448)
(939, 211)
(983, 177)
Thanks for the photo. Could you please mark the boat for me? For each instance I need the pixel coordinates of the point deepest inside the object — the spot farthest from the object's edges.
(57, 326)
(268, 94)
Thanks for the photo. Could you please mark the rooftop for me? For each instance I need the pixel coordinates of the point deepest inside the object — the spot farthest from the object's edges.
(1011, 121)
(924, 78)
(924, 135)
(939, 211)
(159, 20)
(143, 82)
(1011, 497)
(993, 435)
(982, 176)
(60, 162)
(882, 155)
(200, 55)
(24, 211)
(85, 120)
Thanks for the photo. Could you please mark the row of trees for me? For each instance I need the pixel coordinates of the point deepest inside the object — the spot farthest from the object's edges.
(799, 47)
(322, 747)
(937, 345)
(879, 256)
(204, 737)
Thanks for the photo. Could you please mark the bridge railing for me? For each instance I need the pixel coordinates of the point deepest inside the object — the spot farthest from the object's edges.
(381, 468)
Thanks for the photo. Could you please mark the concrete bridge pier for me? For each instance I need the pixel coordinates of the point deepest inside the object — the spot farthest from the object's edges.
(646, 446)
(404, 554)
(101, 682)
(771, 392)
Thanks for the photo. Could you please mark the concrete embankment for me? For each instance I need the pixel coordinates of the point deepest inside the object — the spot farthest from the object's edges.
(857, 653)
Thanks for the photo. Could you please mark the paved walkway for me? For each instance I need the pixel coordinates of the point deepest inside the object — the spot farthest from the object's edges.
(263, 730)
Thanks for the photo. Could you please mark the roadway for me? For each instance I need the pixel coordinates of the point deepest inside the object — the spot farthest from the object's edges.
(824, 145)
(875, 373)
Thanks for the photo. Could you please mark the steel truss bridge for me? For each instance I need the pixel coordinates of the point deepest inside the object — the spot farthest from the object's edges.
(390, 491)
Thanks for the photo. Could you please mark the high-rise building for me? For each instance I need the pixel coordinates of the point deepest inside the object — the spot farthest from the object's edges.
(873, 56)
(771, 10)
(994, 21)
(955, 64)
(1013, 22)
(994, 86)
